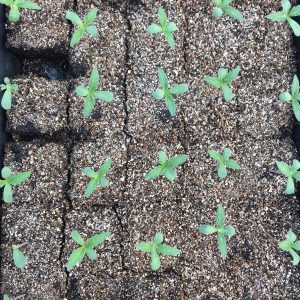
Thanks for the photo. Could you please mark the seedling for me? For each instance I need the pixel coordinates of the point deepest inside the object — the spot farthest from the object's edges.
(287, 14)
(166, 28)
(5, 297)
(86, 247)
(98, 178)
(15, 5)
(19, 258)
(290, 245)
(294, 97)
(166, 166)
(9, 89)
(222, 81)
(10, 180)
(91, 94)
(222, 230)
(224, 161)
(224, 7)
(156, 248)
(167, 92)
(84, 26)
(291, 172)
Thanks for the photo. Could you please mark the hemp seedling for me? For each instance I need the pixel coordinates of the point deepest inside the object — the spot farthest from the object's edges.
(294, 97)
(19, 258)
(222, 230)
(9, 89)
(224, 7)
(290, 245)
(10, 180)
(166, 166)
(86, 247)
(166, 28)
(222, 81)
(287, 14)
(15, 5)
(156, 248)
(91, 94)
(98, 178)
(84, 26)
(291, 172)
(224, 161)
(167, 92)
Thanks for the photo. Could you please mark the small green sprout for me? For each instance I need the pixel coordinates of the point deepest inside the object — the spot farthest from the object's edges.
(224, 7)
(291, 172)
(166, 166)
(167, 92)
(83, 26)
(86, 247)
(15, 5)
(5, 297)
(287, 14)
(155, 248)
(294, 97)
(290, 245)
(9, 89)
(10, 180)
(19, 258)
(98, 178)
(222, 81)
(165, 27)
(91, 94)
(224, 161)
(222, 230)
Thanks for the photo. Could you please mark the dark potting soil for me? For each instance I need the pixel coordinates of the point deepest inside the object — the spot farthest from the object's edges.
(48, 135)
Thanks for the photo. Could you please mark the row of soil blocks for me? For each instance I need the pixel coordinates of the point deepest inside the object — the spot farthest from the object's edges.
(131, 130)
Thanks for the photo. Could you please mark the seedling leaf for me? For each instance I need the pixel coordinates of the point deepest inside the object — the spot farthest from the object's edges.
(18, 257)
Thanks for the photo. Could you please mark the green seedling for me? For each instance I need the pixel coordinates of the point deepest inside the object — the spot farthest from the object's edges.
(15, 5)
(19, 258)
(166, 92)
(224, 161)
(157, 248)
(98, 178)
(293, 97)
(86, 247)
(221, 230)
(10, 180)
(166, 166)
(5, 297)
(287, 14)
(291, 172)
(84, 26)
(166, 28)
(290, 245)
(223, 80)
(91, 93)
(223, 7)
(9, 89)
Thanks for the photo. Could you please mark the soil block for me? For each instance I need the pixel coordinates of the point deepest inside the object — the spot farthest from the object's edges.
(107, 118)
(41, 32)
(86, 278)
(38, 108)
(107, 50)
(94, 154)
(43, 276)
(48, 164)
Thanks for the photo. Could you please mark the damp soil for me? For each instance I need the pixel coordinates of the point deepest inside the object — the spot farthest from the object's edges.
(46, 134)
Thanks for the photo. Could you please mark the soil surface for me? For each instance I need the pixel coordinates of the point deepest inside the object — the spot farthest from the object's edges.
(49, 137)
